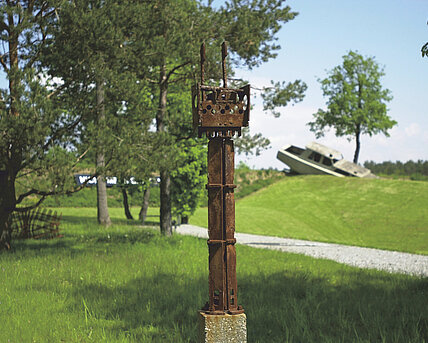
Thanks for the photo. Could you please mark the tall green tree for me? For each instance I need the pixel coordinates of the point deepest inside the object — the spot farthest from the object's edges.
(169, 33)
(90, 55)
(34, 129)
(356, 102)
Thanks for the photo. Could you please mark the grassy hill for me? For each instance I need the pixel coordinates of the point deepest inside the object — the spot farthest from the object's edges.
(385, 214)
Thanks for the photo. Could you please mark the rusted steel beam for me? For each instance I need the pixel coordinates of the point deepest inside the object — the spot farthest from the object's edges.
(223, 63)
(220, 112)
(202, 63)
(221, 227)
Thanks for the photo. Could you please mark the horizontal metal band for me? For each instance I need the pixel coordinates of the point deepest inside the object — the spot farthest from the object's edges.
(221, 241)
(216, 185)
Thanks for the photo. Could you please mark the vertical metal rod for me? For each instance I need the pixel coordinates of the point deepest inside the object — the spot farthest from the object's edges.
(203, 63)
(223, 63)
(224, 210)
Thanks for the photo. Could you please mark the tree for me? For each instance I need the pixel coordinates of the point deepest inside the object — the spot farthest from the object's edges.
(85, 22)
(356, 101)
(171, 32)
(90, 54)
(34, 128)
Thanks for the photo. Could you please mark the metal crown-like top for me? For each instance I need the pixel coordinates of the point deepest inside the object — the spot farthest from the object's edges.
(219, 111)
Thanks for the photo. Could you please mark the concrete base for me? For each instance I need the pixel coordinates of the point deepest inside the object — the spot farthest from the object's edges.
(225, 328)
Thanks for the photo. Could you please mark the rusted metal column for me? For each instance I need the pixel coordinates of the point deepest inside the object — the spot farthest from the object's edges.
(220, 112)
(216, 243)
(221, 227)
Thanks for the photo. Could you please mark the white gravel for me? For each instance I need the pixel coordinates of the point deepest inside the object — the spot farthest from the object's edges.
(391, 261)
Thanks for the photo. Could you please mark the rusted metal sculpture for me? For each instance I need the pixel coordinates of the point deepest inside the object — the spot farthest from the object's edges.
(220, 112)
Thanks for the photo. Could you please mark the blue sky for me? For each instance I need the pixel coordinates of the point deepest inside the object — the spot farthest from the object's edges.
(392, 31)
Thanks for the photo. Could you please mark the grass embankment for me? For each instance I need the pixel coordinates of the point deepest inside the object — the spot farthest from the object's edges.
(384, 214)
(129, 284)
(247, 180)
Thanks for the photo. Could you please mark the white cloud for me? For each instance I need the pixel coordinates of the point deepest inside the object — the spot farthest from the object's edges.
(413, 129)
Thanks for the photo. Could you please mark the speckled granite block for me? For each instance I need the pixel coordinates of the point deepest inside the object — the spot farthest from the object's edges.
(222, 328)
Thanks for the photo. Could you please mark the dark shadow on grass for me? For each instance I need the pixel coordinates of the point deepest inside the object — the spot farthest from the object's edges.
(78, 243)
(280, 307)
(70, 219)
(154, 307)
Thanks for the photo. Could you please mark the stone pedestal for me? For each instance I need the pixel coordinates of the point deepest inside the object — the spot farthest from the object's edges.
(225, 328)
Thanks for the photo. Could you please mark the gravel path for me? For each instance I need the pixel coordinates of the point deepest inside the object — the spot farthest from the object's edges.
(391, 261)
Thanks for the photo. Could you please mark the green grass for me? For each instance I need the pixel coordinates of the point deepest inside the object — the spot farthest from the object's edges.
(88, 216)
(385, 214)
(129, 284)
(87, 197)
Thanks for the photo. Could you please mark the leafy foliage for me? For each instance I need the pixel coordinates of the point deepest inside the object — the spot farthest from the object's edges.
(189, 178)
(280, 94)
(87, 78)
(414, 170)
(251, 27)
(35, 128)
(251, 144)
(424, 50)
(356, 102)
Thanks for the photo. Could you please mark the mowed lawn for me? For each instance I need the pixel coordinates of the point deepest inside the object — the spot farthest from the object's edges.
(129, 284)
(384, 214)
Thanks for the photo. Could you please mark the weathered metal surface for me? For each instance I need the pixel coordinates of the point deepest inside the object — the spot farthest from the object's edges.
(223, 63)
(219, 109)
(220, 112)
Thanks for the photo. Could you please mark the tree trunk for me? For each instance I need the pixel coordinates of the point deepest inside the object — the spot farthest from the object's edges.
(165, 184)
(357, 147)
(146, 198)
(126, 204)
(358, 126)
(102, 206)
(7, 205)
(13, 154)
(165, 204)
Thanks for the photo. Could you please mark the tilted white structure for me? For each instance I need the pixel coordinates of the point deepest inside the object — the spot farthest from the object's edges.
(319, 159)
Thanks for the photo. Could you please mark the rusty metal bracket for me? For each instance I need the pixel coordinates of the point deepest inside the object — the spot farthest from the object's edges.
(220, 113)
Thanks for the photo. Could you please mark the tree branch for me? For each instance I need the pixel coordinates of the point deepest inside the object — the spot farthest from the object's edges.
(151, 80)
(174, 69)
(45, 194)
(80, 157)
(52, 138)
(3, 63)
(4, 27)
(56, 91)
(27, 208)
